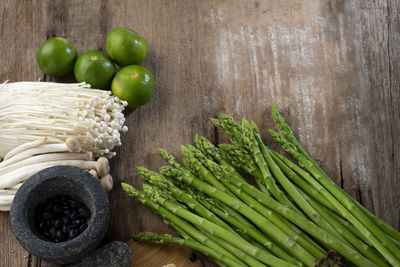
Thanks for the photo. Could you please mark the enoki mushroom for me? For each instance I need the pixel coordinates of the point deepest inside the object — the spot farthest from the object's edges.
(30, 111)
(29, 158)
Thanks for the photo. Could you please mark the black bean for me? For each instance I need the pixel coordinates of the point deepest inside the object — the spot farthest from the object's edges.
(64, 237)
(58, 234)
(72, 233)
(77, 222)
(82, 227)
(73, 204)
(58, 209)
(84, 212)
(64, 229)
(66, 220)
(47, 215)
(74, 215)
(67, 212)
(57, 224)
(61, 218)
(52, 231)
(48, 206)
(41, 225)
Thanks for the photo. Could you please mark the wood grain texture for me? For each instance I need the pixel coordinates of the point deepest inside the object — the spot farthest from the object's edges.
(330, 66)
(150, 254)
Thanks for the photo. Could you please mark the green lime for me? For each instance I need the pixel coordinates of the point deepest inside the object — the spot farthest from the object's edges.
(134, 84)
(56, 56)
(126, 46)
(94, 68)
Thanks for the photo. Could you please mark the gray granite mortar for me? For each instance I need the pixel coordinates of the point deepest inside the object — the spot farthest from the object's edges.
(60, 180)
(114, 254)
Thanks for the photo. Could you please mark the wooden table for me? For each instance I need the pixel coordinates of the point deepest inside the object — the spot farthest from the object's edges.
(331, 66)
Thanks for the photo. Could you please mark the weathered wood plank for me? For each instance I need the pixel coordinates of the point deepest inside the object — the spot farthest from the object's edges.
(21, 32)
(331, 66)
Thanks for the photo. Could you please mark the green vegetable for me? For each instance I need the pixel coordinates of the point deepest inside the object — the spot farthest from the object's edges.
(333, 221)
(94, 68)
(284, 222)
(328, 239)
(162, 183)
(188, 242)
(56, 56)
(175, 220)
(134, 84)
(337, 197)
(126, 46)
(245, 229)
(270, 229)
(222, 233)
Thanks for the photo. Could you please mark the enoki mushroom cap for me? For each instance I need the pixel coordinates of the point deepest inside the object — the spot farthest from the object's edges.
(103, 166)
(72, 144)
(94, 173)
(107, 182)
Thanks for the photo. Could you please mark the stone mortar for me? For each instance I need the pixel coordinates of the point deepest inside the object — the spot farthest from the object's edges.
(60, 180)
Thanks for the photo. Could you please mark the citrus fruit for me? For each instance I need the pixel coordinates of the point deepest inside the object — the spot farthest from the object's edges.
(94, 68)
(126, 47)
(56, 56)
(134, 84)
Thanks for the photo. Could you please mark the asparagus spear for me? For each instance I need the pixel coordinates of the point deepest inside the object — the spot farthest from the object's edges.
(284, 127)
(314, 211)
(208, 148)
(286, 226)
(231, 212)
(238, 252)
(188, 242)
(339, 227)
(287, 131)
(294, 177)
(252, 232)
(323, 236)
(242, 136)
(260, 221)
(164, 184)
(241, 160)
(225, 213)
(157, 194)
(288, 168)
(187, 236)
(345, 205)
(345, 229)
(197, 159)
(185, 226)
(171, 160)
(220, 232)
(290, 188)
(195, 167)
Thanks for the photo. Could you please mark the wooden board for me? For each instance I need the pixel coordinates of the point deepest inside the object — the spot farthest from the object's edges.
(158, 255)
(331, 66)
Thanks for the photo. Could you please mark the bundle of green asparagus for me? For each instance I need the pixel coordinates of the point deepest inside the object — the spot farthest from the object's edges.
(295, 216)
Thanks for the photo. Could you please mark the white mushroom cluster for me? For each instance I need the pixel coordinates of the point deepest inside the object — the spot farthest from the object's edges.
(33, 110)
(29, 158)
